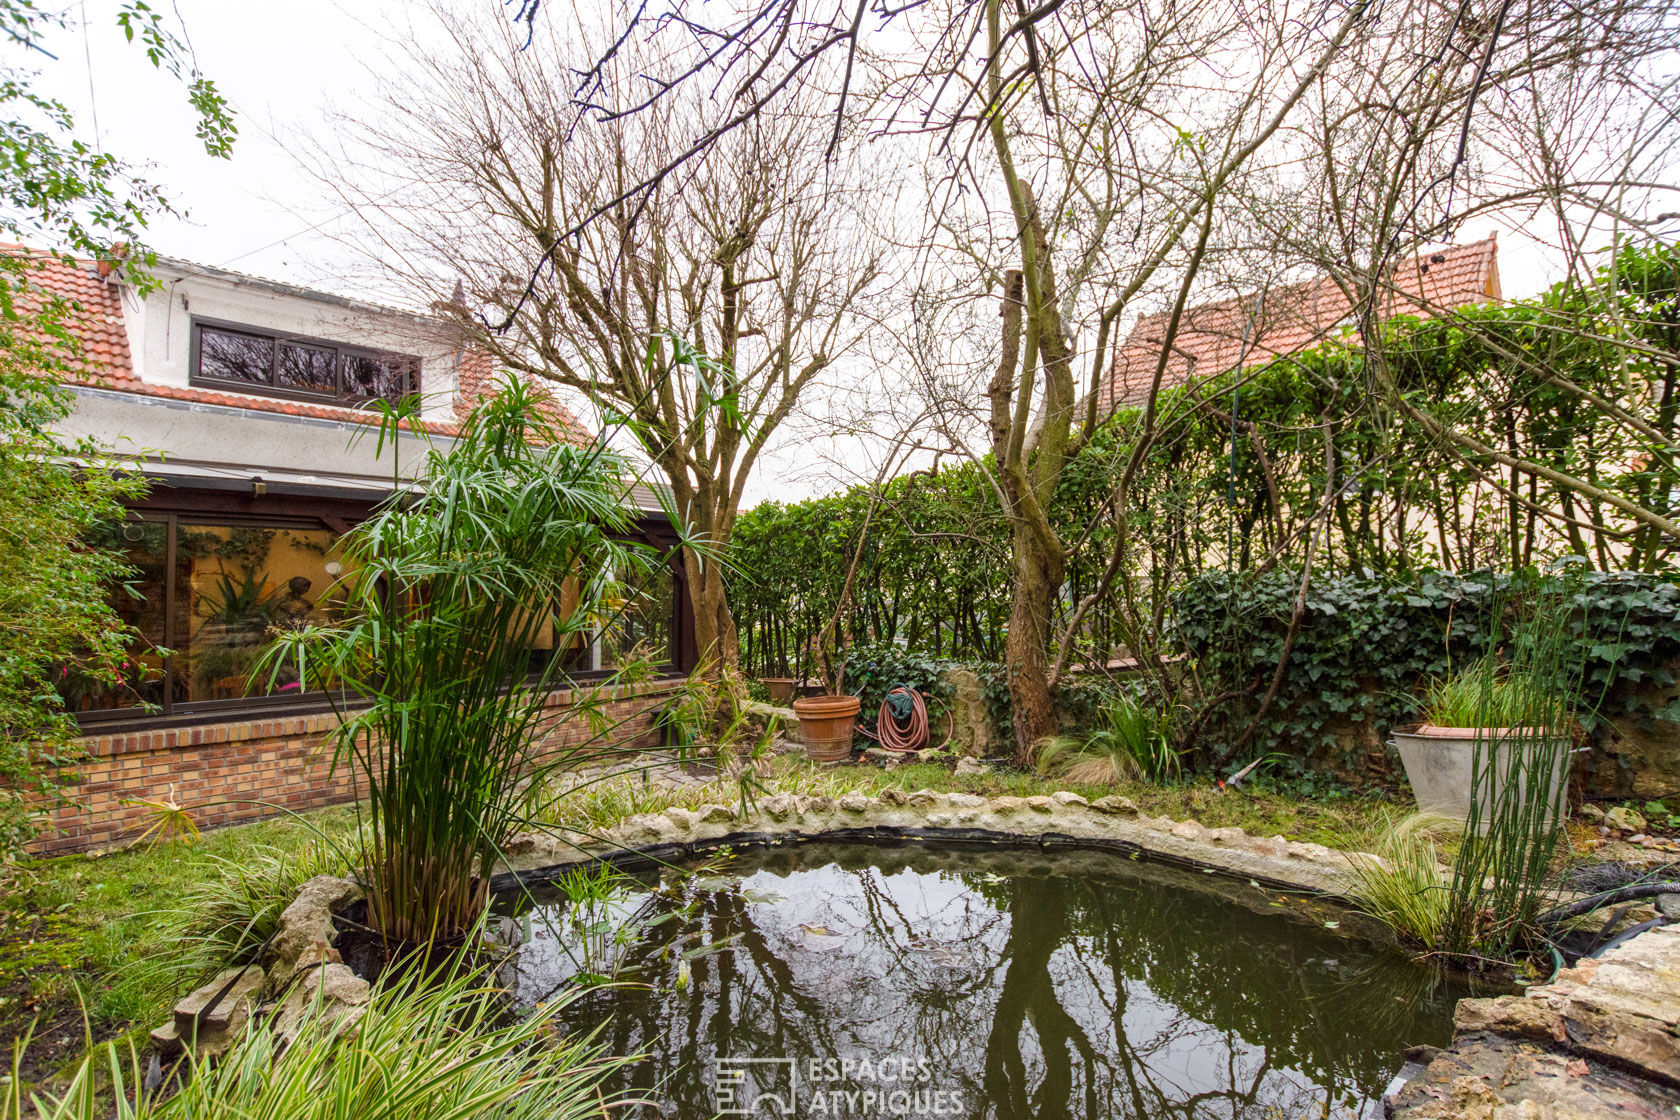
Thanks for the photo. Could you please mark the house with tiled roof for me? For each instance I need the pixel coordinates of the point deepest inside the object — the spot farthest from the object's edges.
(1259, 327)
(244, 403)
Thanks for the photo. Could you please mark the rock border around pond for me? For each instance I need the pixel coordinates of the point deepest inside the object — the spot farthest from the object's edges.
(1109, 822)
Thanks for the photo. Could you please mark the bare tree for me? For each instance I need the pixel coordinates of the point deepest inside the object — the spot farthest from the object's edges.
(696, 317)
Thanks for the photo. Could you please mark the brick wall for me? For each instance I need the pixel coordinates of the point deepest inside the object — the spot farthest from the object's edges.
(228, 773)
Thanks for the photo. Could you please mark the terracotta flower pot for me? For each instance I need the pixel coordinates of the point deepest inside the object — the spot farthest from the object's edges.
(780, 688)
(825, 723)
(1439, 763)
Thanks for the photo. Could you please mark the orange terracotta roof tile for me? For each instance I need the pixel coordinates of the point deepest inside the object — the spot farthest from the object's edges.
(1249, 330)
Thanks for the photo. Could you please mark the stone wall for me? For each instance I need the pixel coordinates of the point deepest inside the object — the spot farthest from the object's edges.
(244, 770)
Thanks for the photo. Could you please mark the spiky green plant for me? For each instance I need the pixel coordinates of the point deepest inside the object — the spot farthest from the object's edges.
(1528, 700)
(446, 1051)
(229, 914)
(1132, 740)
(1408, 890)
(508, 537)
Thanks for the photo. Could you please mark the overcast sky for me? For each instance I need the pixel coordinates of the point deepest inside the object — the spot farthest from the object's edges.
(283, 66)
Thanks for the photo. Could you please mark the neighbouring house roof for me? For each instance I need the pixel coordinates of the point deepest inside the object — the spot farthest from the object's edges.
(1256, 328)
(105, 361)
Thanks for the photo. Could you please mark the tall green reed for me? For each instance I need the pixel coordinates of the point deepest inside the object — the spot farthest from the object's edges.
(1525, 694)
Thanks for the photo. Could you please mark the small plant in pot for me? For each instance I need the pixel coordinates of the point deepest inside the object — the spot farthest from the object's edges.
(1486, 727)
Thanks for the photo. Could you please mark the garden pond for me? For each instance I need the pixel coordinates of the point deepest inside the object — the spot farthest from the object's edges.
(852, 979)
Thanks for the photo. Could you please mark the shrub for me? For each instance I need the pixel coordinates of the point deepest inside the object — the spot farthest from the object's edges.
(509, 536)
(1368, 646)
(1131, 740)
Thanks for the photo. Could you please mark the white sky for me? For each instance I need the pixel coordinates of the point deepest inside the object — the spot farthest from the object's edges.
(282, 66)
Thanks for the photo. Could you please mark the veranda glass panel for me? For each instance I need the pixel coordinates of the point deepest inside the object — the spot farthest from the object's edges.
(145, 546)
(243, 585)
(642, 629)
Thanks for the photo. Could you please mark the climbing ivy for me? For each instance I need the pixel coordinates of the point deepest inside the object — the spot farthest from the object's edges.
(1366, 644)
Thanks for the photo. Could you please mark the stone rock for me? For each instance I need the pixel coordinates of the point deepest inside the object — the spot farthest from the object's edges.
(971, 721)
(854, 802)
(924, 798)
(1115, 805)
(1003, 806)
(967, 766)
(966, 800)
(1591, 812)
(939, 820)
(520, 844)
(331, 996)
(304, 925)
(648, 828)
(716, 814)
(1276, 847)
(1227, 835)
(684, 819)
(210, 1007)
(166, 1040)
(1039, 803)
(1063, 797)
(891, 796)
(1668, 905)
(1625, 819)
(779, 806)
(1190, 830)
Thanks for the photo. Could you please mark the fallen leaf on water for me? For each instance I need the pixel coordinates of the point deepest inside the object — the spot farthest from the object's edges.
(1331, 925)
(820, 931)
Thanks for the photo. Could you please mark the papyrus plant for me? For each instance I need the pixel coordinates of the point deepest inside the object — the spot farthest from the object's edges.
(507, 540)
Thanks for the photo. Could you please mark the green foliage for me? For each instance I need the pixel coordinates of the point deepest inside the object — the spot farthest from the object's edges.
(453, 585)
(1407, 889)
(1487, 694)
(1131, 739)
(57, 190)
(872, 670)
(446, 1050)
(1367, 645)
(236, 908)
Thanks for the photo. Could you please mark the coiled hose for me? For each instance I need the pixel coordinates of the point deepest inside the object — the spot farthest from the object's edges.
(903, 722)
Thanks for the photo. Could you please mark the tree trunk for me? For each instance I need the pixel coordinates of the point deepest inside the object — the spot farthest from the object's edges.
(715, 636)
(1038, 575)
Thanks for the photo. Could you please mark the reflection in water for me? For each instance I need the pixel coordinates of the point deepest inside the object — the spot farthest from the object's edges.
(1030, 985)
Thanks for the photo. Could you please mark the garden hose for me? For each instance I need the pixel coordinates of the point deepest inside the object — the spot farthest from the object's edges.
(903, 722)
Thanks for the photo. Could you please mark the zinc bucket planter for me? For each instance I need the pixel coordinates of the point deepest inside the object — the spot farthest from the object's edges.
(825, 723)
(1439, 763)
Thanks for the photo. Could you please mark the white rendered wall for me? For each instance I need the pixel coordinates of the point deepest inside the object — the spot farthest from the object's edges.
(160, 328)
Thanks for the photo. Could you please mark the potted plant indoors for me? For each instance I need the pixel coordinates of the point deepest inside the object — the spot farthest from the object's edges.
(1490, 731)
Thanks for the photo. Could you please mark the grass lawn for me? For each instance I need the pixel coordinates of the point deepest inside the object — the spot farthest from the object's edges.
(96, 947)
(93, 947)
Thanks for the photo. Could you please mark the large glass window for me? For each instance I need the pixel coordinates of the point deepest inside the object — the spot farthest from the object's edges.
(207, 600)
(641, 627)
(254, 361)
(209, 596)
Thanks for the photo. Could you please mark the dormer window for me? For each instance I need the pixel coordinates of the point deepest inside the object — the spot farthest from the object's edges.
(246, 360)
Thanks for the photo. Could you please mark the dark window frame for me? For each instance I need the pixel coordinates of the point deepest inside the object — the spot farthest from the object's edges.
(341, 397)
(215, 507)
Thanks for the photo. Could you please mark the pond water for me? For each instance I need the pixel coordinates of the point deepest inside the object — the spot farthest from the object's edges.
(860, 980)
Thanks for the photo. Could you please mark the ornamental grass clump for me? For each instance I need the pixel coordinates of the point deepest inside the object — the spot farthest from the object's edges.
(507, 542)
(1131, 740)
(445, 1050)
